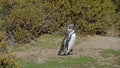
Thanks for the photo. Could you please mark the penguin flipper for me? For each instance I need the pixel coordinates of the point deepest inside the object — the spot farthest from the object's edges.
(63, 47)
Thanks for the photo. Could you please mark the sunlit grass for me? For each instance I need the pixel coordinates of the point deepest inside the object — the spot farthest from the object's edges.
(109, 52)
(46, 41)
(53, 42)
(83, 61)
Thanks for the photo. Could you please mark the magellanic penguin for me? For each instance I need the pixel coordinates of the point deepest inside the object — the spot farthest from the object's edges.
(68, 41)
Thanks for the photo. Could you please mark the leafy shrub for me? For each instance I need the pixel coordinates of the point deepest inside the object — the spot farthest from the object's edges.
(7, 59)
(29, 18)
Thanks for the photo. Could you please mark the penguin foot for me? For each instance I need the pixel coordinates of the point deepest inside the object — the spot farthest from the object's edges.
(62, 53)
(71, 52)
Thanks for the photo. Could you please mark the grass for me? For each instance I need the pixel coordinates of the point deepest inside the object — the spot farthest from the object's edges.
(30, 65)
(104, 66)
(53, 42)
(117, 61)
(47, 41)
(44, 41)
(108, 52)
(83, 61)
(50, 42)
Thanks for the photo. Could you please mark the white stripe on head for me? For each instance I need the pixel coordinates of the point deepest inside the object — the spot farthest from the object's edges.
(70, 26)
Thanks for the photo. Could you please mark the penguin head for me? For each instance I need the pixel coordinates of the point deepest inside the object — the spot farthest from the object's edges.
(70, 26)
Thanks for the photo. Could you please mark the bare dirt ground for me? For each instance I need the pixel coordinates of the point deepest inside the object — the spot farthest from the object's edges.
(102, 42)
(95, 43)
(91, 47)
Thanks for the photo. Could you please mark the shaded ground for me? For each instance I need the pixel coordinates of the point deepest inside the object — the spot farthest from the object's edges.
(85, 46)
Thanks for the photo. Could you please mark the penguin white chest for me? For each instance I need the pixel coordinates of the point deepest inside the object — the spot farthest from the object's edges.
(72, 41)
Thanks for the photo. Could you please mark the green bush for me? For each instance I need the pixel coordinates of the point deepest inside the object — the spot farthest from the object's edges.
(7, 59)
(31, 18)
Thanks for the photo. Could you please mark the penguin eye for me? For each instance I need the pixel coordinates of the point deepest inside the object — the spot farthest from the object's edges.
(69, 27)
